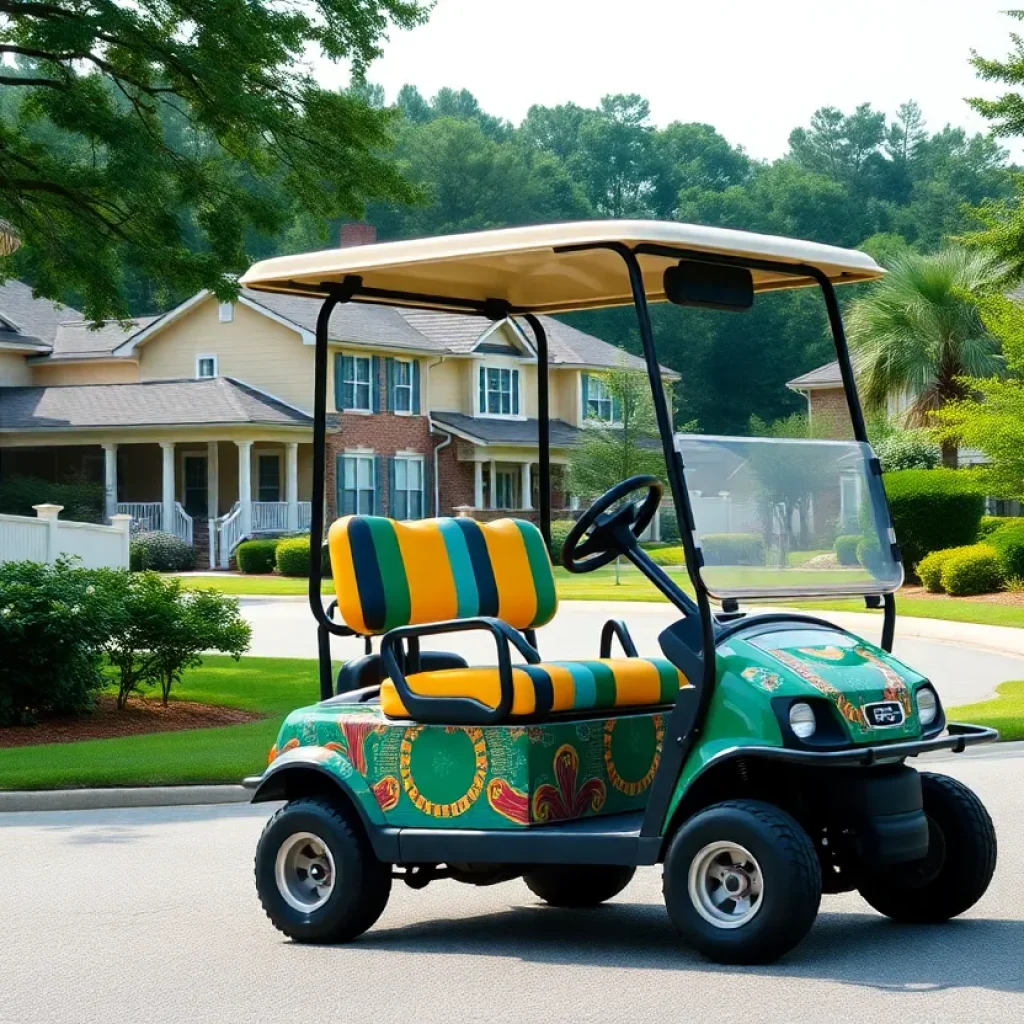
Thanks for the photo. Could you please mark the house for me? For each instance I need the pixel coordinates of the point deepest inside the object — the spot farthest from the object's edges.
(198, 421)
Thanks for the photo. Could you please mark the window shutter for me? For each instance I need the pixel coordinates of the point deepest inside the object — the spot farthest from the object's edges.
(585, 393)
(416, 387)
(339, 366)
(389, 384)
(339, 484)
(483, 391)
(391, 486)
(375, 384)
(428, 487)
(515, 392)
(378, 484)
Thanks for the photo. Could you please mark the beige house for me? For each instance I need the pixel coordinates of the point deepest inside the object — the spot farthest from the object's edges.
(198, 421)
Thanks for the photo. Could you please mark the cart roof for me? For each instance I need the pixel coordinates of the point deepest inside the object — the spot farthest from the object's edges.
(523, 266)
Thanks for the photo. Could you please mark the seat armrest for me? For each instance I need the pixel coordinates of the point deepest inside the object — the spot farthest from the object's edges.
(616, 628)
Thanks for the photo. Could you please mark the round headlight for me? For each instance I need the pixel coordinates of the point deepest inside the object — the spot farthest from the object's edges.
(927, 705)
(802, 720)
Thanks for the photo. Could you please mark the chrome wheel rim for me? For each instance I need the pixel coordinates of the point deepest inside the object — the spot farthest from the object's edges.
(726, 885)
(304, 872)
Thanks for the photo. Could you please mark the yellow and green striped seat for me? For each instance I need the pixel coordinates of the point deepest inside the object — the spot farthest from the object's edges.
(389, 574)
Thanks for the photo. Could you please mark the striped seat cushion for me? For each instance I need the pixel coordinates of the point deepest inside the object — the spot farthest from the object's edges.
(596, 685)
(390, 574)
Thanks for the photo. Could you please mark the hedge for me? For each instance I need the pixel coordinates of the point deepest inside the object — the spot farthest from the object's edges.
(256, 557)
(845, 548)
(933, 509)
(668, 555)
(929, 569)
(162, 552)
(559, 531)
(292, 557)
(1008, 541)
(82, 499)
(669, 526)
(974, 569)
(989, 524)
(733, 548)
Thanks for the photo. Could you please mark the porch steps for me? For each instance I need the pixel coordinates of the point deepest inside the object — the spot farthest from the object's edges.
(201, 542)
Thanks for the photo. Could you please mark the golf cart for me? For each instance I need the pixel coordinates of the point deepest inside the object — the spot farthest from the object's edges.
(760, 758)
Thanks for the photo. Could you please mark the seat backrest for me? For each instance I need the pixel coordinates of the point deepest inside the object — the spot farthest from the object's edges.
(389, 573)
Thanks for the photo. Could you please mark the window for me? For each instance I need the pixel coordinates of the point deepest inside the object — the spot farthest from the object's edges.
(206, 366)
(355, 383)
(403, 385)
(357, 485)
(499, 391)
(600, 405)
(269, 475)
(407, 496)
(226, 312)
(506, 483)
(849, 501)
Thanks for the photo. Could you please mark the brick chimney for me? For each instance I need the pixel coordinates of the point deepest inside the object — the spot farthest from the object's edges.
(356, 233)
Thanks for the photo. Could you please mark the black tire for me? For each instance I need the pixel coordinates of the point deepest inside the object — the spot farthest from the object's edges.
(577, 885)
(361, 883)
(789, 873)
(958, 868)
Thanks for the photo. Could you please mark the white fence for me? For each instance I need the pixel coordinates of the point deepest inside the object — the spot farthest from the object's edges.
(47, 538)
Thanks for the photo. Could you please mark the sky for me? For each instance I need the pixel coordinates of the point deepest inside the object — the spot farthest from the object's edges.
(754, 70)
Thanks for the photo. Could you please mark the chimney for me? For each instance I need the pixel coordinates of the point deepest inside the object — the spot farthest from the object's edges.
(356, 233)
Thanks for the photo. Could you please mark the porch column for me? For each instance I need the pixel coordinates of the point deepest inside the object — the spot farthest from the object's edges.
(110, 481)
(245, 486)
(291, 484)
(494, 484)
(167, 490)
(526, 502)
(212, 497)
(478, 485)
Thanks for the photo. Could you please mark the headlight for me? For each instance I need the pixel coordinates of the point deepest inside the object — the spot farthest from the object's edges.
(802, 720)
(927, 705)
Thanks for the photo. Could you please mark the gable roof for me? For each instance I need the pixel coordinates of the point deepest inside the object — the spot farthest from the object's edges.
(79, 340)
(827, 376)
(218, 400)
(30, 318)
(508, 432)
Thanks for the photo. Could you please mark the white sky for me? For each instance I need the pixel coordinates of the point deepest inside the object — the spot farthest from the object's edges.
(754, 70)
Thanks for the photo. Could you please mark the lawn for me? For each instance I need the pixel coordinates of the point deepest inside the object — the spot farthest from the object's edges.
(271, 686)
(1005, 712)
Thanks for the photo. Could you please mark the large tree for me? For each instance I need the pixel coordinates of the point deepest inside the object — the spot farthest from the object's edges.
(157, 136)
(920, 332)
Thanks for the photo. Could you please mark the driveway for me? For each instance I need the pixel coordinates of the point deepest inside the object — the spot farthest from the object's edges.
(150, 916)
(964, 670)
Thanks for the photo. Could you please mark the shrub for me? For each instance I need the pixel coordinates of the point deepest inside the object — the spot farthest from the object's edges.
(161, 552)
(559, 531)
(908, 449)
(845, 548)
(53, 619)
(974, 569)
(669, 555)
(292, 557)
(869, 554)
(929, 569)
(669, 526)
(1008, 541)
(256, 557)
(933, 509)
(733, 548)
(82, 499)
(989, 524)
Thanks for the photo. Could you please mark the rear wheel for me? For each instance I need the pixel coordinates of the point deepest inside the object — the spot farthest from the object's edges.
(577, 885)
(316, 874)
(957, 869)
(742, 882)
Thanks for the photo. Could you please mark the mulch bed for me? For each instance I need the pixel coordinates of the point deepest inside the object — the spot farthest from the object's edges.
(139, 717)
(1000, 597)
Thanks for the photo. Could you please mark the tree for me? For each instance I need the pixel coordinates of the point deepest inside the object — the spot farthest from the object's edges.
(919, 333)
(156, 136)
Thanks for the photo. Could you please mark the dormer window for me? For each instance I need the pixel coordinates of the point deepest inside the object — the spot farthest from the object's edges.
(499, 391)
(206, 367)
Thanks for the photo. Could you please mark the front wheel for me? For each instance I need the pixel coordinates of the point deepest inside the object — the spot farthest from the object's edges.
(316, 874)
(957, 869)
(577, 885)
(742, 882)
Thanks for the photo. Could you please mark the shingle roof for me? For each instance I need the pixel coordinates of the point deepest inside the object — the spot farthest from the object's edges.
(78, 340)
(512, 432)
(36, 318)
(822, 377)
(154, 403)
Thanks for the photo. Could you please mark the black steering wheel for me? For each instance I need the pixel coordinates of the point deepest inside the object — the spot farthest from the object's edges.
(603, 532)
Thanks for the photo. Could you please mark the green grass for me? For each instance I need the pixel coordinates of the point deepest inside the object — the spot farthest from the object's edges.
(1005, 712)
(270, 686)
(255, 586)
(950, 610)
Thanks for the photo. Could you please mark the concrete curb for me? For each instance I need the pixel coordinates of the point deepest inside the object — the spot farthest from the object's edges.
(96, 799)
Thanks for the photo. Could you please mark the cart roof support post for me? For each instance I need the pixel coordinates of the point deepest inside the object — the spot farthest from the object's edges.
(543, 427)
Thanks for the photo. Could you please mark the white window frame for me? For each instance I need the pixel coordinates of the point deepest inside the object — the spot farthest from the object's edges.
(276, 456)
(226, 312)
(207, 376)
(595, 380)
(356, 455)
(515, 392)
(408, 457)
(845, 516)
(405, 387)
(356, 383)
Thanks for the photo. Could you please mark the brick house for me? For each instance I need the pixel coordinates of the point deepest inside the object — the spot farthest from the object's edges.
(198, 420)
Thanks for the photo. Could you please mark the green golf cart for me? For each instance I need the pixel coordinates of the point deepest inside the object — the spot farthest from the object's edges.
(761, 759)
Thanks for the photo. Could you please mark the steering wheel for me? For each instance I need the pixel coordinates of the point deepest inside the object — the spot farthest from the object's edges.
(601, 534)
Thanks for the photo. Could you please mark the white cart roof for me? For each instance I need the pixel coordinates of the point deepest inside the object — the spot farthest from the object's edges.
(523, 266)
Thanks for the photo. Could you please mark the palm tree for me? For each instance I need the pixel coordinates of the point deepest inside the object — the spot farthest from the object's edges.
(919, 333)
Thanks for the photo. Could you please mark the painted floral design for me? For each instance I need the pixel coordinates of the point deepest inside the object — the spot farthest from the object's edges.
(508, 801)
(769, 681)
(567, 800)
(275, 753)
(386, 791)
(895, 685)
(825, 653)
(808, 675)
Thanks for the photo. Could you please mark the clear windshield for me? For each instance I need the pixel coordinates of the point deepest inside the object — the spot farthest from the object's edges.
(778, 518)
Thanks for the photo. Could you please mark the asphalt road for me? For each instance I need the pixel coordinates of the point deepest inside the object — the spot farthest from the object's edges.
(962, 674)
(147, 916)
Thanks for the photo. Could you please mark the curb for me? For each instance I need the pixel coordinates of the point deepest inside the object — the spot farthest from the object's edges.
(98, 799)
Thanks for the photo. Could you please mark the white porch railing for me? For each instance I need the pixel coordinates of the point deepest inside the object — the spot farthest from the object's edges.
(272, 516)
(228, 530)
(146, 515)
(182, 524)
(267, 517)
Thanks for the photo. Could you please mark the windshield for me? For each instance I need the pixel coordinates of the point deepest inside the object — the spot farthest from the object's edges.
(779, 518)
